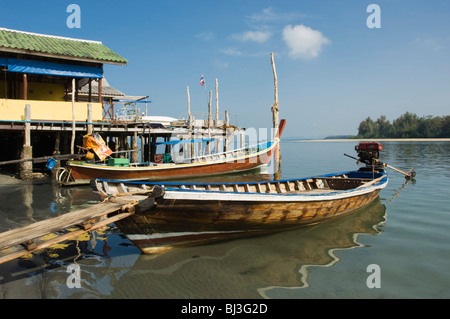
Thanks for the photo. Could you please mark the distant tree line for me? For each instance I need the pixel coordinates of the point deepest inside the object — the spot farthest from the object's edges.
(408, 125)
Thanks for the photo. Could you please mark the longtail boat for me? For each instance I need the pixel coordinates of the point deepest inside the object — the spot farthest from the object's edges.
(177, 214)
(233, 161)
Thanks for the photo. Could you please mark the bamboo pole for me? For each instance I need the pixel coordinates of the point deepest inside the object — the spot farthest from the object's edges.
(191, 128)
(217, 113)
(275, 106)
(209, 124)
(72, 143)
(217, 102)
(275, 120)
(25, 87)
(188, 102)
(227, 123)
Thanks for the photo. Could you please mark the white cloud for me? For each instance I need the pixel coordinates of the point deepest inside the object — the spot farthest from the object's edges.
(206, 36)
(256, 36)
(303, 42)
(231, 51)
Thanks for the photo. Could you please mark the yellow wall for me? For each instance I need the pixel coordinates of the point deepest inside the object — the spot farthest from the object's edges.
(39, 91)
(46, 91)
(13, 110)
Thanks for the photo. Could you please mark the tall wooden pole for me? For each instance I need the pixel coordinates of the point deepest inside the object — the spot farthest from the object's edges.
(188, 102)
(25, 87)
(209, 123)
(26, 168)
(275, 120)
(227, 123)
(72, 143)
(275, 107)
(191, 127)
(217, 114)
(217, 103)
(90, 91)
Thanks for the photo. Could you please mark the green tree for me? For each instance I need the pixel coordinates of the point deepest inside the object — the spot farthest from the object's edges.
(383, 126)
(366, 128)
(407, 125)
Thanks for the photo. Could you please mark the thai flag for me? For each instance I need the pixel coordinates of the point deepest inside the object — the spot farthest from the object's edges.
(202, 80)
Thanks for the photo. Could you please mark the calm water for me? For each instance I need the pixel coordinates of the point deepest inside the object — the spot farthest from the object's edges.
(405, 233)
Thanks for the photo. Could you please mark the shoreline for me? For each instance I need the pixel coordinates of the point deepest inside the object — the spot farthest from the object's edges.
(374, 140)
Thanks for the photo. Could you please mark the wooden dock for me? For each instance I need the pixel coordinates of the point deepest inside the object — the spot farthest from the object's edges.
(19, 242)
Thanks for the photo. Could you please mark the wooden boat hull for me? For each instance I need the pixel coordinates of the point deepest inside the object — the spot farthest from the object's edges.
(192, 216)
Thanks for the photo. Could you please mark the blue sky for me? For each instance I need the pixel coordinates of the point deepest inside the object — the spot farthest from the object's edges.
(333, 70)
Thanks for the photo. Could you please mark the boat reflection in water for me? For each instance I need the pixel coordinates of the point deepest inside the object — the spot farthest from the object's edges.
(240, 268)
(319, 245)
(255, 267)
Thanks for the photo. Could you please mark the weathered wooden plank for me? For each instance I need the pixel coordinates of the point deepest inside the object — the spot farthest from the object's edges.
(24, 234)
(64, 237)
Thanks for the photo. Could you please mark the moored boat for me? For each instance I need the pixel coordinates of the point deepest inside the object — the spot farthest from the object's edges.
(233, 161)
(177, 214)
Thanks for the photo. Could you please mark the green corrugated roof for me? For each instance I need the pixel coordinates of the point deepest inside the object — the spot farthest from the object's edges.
(42, 44)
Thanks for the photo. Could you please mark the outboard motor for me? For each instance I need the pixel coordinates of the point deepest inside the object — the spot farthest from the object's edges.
(369, 153)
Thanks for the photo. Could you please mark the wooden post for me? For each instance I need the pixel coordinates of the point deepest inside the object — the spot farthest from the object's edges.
(100, 99)
(135, 153)
(142, 148)
(188, 102)
(227, 123)
(72, 143)
(90, 90)
(25, 87)
(89, 115)
(217, 103)
(191, 126)
(275, 107)
(275, 120)
(57, 151)
(217, 115)
(26, 168)
(209, 124)
(76, 90)
(27, 118)
(100, 81)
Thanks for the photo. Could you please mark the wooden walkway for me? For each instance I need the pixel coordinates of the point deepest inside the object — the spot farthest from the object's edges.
(18, 242)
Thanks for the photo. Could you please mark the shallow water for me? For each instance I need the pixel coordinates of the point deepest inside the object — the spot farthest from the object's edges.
(405, 233)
